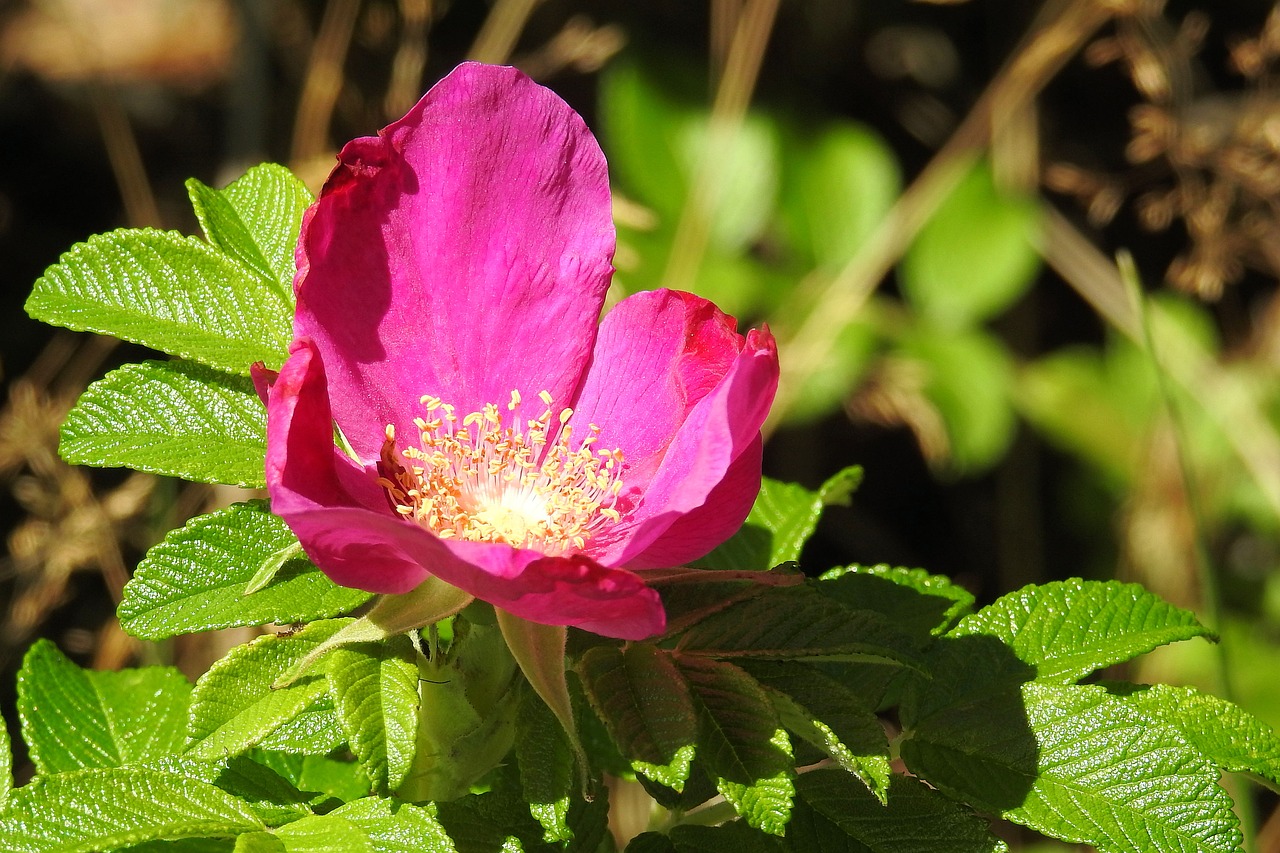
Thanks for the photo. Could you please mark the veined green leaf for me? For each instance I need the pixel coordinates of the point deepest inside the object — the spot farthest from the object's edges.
(784, 623)
(255, 221)
(1221, 731)
(235, 707)
(1068, 629)
(170, 417)
(319, 776)
(821, 710)
(912, 599)
(328, 833)
(129, 805)
(546, 762)
(1082, 766)
(394, 827)
(375, 692)
(741, 742)
(74, 719)
(836, 814)
(782, 519)
(172, 293)
(272, 797)
(645, 705)
(195, 579)
(314, 731)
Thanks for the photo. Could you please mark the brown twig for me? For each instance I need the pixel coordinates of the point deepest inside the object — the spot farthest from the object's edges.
(501, 30)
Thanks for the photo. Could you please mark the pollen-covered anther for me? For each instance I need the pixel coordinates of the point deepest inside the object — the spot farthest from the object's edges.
(482, 479)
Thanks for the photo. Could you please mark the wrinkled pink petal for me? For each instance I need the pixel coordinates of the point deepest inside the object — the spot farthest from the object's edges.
(658, 353)
(463, 252)
(718, 430)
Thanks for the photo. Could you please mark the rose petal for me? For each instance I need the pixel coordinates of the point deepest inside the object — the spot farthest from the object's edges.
(658, 353)
(723, 426)
(464, 252)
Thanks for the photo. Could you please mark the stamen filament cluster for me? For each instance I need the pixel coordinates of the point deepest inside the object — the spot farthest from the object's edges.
(488, 477)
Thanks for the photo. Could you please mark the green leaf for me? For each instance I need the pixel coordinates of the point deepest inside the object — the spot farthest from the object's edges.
(6, 763)
(375, 691)
(1223, 732)
(272, 797)
(394, 827)
(645, 704)
(540, 652)
(321, 776)
(123, 806)
(546, 762)
(967, 378)
(256, 221)
(783, 623)
(821, 710)
(1083, 766)
(173, 418)
(235, 706)
(74, 719)
(195, 579)
(912, 599)
(172, 293)
(741, 743)
(327, 833)
(838, 185)
(314, 731)
(975, 256)
(834, 814)
(765, 804)
(1068, 629)
(781, 521)
(731, 837)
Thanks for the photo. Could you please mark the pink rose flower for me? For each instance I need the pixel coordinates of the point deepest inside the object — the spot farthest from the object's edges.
(491, 431)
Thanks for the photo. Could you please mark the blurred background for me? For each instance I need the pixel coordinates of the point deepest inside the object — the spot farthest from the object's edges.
(1020, 257)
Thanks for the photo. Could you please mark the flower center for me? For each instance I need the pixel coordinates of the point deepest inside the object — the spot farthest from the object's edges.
(523, 483)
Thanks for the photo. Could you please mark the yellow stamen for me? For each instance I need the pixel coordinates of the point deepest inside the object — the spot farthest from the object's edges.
(481, 481)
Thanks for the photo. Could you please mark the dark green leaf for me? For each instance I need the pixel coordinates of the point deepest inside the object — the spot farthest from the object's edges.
(821, 710)
(741, 742)
(546, 763)
(173, 418)
(912, 599)
(783, 623)
(835, 814)
(195, 579)
(645, 704)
